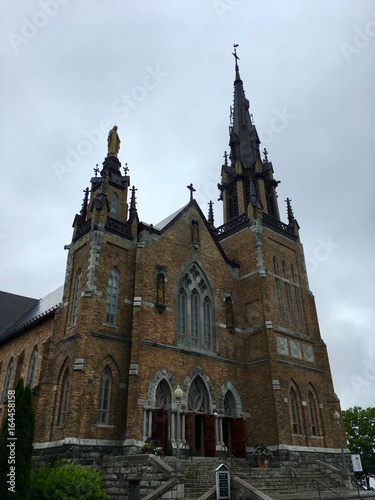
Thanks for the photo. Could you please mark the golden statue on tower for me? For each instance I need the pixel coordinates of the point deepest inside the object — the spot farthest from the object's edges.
(113, 142)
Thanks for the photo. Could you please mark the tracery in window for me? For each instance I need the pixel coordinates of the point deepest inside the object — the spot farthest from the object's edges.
(163, 395)
(112, 297)
(194, 311)
(229, 404)
(198, 396)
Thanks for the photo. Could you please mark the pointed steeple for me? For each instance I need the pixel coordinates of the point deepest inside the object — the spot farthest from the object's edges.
(133, 205)
(210, 214)
(244, 141)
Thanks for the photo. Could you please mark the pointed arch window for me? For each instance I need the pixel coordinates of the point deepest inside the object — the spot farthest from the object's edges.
(287, 293)
(194, 311)
(8, 377)
(278, 290)
(296, 298)
(77, 286)
(294, 412)
(181, 317)
(314, 423)
(104, 396)
(112, 297)
(114, 205)
(64, 398)
(32, 367)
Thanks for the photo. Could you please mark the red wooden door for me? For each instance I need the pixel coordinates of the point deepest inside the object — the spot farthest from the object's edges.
(160, 427)
(238, 437)
(190, 431)
(209, 436)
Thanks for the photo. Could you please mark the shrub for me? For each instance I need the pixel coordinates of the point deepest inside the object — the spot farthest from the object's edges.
(64, 482)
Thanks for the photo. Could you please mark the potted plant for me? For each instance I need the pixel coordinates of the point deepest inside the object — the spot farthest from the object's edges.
(148, 447)
(262, 454)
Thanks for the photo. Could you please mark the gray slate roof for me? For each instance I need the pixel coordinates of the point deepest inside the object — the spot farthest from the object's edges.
(18, 312)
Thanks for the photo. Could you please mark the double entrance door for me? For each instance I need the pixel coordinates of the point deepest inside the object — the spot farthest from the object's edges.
(202, 433)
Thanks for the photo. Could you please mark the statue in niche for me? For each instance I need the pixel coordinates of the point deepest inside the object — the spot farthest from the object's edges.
(113, 142)
(160, 292)
(195, 234)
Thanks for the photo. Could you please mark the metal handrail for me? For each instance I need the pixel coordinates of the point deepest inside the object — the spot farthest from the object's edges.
(316, 484)
(292, 472)
(232, 457)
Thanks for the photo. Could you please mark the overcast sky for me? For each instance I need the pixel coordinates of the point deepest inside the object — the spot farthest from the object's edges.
(163, 72)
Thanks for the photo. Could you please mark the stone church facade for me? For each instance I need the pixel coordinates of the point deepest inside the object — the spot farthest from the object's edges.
(225, 313)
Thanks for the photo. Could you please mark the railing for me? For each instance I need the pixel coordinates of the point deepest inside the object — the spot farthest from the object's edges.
(316, 484)
(292, 474)
(237, 221)
(239, 461)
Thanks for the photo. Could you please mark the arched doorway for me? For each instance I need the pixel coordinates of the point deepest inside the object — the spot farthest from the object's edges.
(160, 415)
(233, 428)
(199, 424)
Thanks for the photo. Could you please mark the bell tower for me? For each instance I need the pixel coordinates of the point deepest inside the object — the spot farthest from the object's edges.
(246, 178)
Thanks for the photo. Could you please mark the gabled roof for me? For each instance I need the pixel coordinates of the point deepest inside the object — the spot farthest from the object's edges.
(17, 312)
(165, 224)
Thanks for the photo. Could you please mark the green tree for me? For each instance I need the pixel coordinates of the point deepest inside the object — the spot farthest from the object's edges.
(360, 430)
(16, 444)
(64, 482)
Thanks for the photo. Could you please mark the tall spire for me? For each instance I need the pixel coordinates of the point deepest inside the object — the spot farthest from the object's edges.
(244, 141)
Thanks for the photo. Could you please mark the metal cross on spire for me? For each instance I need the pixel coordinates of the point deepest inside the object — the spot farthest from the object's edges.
(235, 45)
(191, 189)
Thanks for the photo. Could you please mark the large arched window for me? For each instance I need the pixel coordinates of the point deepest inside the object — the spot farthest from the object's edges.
(104, 396)
(313, 420)
(163, 395)
(278, 290)
(296, 298)
(8, 377)
(229, 404)
(64, 398)
(194, 311)
(294, 412)
(77, 286)
(112, 297)
(32, 367)
(287, 293)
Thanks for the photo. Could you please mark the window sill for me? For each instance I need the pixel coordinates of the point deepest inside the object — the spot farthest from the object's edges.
(105, 426)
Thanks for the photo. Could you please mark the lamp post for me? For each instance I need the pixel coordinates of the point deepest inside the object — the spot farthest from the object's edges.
(178, 396)
(336, 417)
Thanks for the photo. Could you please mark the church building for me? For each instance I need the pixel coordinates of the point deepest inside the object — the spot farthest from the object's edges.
(225, 314)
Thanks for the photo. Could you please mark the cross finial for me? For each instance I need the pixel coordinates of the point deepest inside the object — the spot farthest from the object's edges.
(191, 189)
(96, 170)
(126, 169)
(235, 45)
(265, 152)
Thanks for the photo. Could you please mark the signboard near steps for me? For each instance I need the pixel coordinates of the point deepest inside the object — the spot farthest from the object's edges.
(222, 483)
